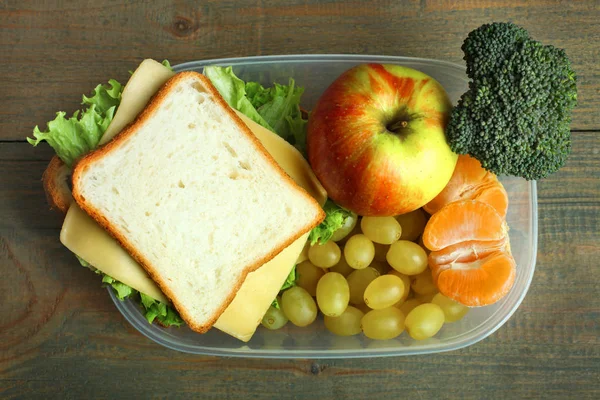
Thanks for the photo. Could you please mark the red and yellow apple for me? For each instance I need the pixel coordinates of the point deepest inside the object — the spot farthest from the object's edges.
(376, 139)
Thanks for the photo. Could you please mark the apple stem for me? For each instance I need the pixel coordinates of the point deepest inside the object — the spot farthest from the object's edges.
(397, 126)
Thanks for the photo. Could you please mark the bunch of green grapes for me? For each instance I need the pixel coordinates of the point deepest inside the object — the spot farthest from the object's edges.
(372, 277)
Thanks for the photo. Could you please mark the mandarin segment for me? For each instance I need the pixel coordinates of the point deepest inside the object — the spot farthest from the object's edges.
(466, 251)
(478, 283)
(461, 221)
(496, 196)
(470, 257)
(466, 172)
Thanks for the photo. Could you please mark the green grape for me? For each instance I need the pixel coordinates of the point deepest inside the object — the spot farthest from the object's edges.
(299, 306)
(347, 324)
(384, 230)
(406, 281)
(324, 255)
(424, 321)
(453, 311)
(354, 231)
(274, 318)
(342, 267)
(407, 257)
(358, 282)
(344, 230)
(423, 283)
(333, 294)
(307, 276)
(425, 298)
(409, 305)
(384, 291)
(381, 267)
(413, 224)
(363, 307)
(383, 324)
(359, 251)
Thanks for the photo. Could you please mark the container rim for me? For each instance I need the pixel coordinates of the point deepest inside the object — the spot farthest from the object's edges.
(470, 337)
(308, 58)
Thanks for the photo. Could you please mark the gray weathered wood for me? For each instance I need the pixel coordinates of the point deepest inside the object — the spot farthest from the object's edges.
(59, 324)
(52, 54)
(61, 336)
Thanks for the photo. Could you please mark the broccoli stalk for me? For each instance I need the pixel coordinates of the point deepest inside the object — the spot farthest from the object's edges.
(515, 116)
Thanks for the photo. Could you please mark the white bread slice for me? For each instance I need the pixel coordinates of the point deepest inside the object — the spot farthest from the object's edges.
(194, 197)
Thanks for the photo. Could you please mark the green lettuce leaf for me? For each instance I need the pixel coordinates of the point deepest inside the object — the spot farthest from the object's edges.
(171, 319)
(290, 280)
(164, 313)
(277, 108)
(334, 220)
(72, 138)
(79, 134)
(279, 105)
(297, 133)
(122, 290)
(105, 98)
(257, 94)
(153, 309)
(275, 303)
(233, 90)
(87, 265)
(167, 64)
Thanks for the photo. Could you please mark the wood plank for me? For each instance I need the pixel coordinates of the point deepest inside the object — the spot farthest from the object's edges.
(53, 53)
(62, 334)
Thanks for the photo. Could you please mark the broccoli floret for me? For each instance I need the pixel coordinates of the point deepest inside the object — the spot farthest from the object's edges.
(515, 116)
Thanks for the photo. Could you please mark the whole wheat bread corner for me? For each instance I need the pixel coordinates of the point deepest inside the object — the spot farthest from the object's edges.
(194, 197)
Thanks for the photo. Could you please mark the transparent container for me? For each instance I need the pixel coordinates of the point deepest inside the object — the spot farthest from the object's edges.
(315, 73)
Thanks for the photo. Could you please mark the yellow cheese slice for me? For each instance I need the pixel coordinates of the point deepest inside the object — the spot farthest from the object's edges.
(84, 237)
(304, 254)
(255, 296)
(149, 76)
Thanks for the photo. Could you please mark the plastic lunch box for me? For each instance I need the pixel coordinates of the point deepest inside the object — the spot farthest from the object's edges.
(315, 73)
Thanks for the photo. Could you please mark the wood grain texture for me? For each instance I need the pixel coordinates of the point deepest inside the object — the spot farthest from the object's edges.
(52, 52)
(62, 326)
(61, 336)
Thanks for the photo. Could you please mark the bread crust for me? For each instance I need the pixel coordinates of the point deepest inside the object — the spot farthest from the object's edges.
(153, 105)
(58, 193)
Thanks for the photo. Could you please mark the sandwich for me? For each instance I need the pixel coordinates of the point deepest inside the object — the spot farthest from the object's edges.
(184, 197)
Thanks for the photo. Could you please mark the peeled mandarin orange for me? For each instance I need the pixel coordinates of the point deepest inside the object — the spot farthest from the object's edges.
(470, 257)
(471, 181)
(495, 195)
(464, 221)
(475, 283)
(467, 251)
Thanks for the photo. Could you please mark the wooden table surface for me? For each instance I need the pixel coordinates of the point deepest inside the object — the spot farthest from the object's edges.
(61, 336)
